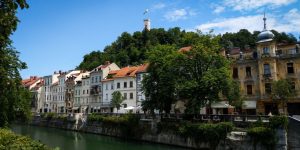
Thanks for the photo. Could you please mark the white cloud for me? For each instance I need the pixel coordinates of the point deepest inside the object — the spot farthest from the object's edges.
(176, 15)
(219, 9)
(158, 6)
(289, 22)
(179, 14)
(254, 4)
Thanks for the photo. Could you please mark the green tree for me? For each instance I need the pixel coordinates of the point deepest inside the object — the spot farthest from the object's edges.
(117, 99)
(281, 90)
(11, 91)
(159, 84)
(204, 74)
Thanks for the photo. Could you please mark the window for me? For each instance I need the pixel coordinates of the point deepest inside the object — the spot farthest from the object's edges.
(125, 105)
(290, 67)
(112, 86)
(292, 51)
(96, 80)
(125, 96)
(83, 91)
(118, 85)
(139, 77)
(92, 79)
(125, 84)
(249, 89)
(131, 96)
(235, 74)
(266, 50)
(106, 96)
(248, 71)
(267, 71)
(131, 84)
(106, 86)
(87, 91)
(268, 88)
(293, 86)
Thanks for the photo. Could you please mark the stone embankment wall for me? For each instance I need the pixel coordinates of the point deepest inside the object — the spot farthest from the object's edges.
(234, 141)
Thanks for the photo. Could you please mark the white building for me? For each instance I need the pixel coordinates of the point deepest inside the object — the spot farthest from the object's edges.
(124, 81)
(34, 85)
(81, 93)
(96, 75)
(140, 74)
(46, 97)
(54, 93)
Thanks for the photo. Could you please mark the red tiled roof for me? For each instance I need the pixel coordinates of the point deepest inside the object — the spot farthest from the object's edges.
(30, 81)
(142, 68)
(185, 49)
(126, 71)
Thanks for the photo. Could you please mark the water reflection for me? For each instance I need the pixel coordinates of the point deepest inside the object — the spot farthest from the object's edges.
(69, 140)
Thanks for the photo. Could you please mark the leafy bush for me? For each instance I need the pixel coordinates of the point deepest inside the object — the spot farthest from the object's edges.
(279, 122)
(263, 135)
(206, 132)
(9, 140)
(51, 115)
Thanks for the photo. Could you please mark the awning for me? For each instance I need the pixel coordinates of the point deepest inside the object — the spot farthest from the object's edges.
(249, 105)
(75, 108)
(129, 108)
(222, 104)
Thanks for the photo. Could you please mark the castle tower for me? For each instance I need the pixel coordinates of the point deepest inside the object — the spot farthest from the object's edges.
(147, 24)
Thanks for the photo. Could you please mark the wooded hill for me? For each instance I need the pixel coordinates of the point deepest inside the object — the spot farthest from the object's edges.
(131, 49)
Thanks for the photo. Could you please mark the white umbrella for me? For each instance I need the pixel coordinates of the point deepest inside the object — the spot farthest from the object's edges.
(129, 108)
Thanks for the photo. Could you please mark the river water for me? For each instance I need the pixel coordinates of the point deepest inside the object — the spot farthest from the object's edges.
(70, 140)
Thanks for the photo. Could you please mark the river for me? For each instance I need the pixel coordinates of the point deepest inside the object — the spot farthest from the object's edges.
(70, 140)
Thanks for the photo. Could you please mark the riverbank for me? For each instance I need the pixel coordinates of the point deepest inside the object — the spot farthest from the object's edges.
(9, 141)
(198, 137)
(73, 140)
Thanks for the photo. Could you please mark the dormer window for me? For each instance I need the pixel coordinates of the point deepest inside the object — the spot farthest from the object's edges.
(266, 50)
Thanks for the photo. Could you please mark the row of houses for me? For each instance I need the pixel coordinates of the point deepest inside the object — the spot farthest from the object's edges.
(78, 91)
(254, 70)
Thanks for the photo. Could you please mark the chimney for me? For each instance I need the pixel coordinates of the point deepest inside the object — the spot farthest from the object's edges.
(147, 24)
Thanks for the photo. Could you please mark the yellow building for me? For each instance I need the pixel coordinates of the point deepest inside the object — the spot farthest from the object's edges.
(257, 69)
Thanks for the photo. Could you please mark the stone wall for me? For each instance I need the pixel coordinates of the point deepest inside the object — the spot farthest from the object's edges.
(234, 140)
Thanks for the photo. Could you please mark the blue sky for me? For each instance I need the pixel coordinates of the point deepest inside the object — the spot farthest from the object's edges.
(55, 35)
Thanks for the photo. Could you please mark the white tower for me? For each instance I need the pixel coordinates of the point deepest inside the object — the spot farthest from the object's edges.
(147, 24)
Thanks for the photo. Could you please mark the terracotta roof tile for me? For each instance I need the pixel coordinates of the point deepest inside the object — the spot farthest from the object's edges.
(142, 68)
(185, 49)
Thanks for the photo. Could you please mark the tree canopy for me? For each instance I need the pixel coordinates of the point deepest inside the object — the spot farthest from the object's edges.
(131, 49)
(199, 76)
(117, 99)
(13, 97)
(159, 84)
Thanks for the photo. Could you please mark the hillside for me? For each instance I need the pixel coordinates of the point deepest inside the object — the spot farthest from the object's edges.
(131, 49)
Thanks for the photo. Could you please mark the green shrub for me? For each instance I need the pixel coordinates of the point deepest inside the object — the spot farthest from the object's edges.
(51, 115)
(279, 122)
(9, 140)
(263, 135)
(206, 132)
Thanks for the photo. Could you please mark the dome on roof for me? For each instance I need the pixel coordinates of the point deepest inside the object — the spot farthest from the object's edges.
(265, 35)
